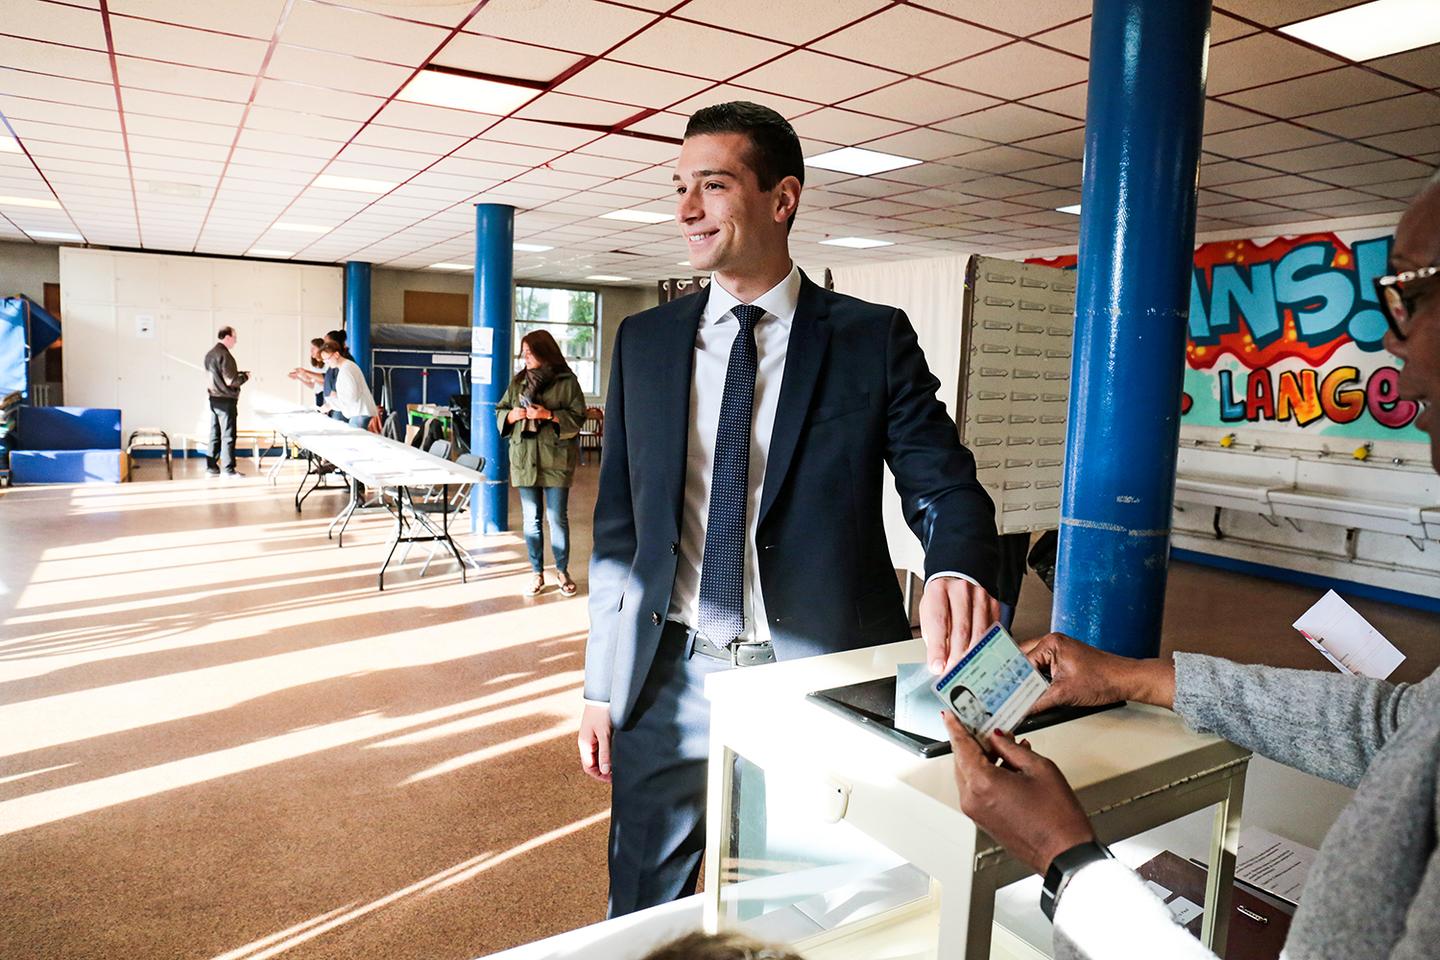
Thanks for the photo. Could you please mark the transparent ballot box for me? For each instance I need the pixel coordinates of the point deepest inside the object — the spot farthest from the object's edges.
(840, 842)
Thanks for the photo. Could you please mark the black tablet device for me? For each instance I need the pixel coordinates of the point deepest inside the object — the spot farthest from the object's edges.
(871, 704)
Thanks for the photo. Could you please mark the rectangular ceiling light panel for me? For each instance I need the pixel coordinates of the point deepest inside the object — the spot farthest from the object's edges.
(859, 161)
(328, 181)
(637, 216)
(856, 243)
(460, 92)
(1374, 29)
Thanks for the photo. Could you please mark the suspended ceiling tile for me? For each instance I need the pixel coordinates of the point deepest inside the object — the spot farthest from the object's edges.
(787, 107)
(1322, 91)
(927, 144)
(1067, 101)
(1409, 143)
(1276, 13)
(330, 103)
(1402, 113)
(1260, 59)
(1324, 157)
(177, 79)
(358, 33)
(1399, 189)
(565, 108)
(180, 107)
(686, 47)
(1363, 209)
(1231, 171)
(48, 58)
(1221, 116)
(1277, 186)
(1002, 159)
(661, 124)
(1268, 138)
(420, 116)
(63, 114)
(919, 101)
(503, 58)
(817, 77)
(584, 26)
(909, 39)
(844, 127)
(36, 86)
(37, 20)
(804, 20)
(433, 144)
(1364, 174)
(632, 148)
(304, 124)
(1069, 144)
(1072, 38)
(29, 129)
(400, 163)
(1014, 72)
(999, 188)
(1008, 123)
(532, 134)
(623, 83)
(336, 71)
(196, 48)
(1018, 19)
(1416, 66)
(288, 143)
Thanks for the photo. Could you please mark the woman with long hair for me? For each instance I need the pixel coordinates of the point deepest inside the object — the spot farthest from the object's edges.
(542, 412)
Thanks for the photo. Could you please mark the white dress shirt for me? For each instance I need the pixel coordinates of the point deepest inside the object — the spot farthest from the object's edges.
(717, 332)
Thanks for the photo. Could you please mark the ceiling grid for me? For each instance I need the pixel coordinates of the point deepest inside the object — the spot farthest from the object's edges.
(215, 127)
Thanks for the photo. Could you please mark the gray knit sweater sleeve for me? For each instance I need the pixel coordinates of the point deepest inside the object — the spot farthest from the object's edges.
(1327, 724)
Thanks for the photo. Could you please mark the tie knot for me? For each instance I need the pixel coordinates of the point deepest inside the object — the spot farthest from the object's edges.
(748, 314)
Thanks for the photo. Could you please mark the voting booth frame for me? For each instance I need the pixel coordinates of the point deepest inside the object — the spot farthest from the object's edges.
(835, 840)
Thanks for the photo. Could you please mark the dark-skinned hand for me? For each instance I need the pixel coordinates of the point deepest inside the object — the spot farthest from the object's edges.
(1025, 804)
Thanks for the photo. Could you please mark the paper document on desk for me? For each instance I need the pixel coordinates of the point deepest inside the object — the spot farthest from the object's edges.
(1347, 640)
(1274, 864)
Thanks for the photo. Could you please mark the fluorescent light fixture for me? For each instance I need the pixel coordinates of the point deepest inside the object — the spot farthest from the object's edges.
(301, 227)
(54, 235)
(1371, 30)
(271, 253)
(606, 278)
(9, 145)
(451, 266)
(1073, 208)
(532, 247)
(859, 161)
(637, 216)
(857, 243)
(30, 202)
(329, 181)
(461, 92)
(685, 263)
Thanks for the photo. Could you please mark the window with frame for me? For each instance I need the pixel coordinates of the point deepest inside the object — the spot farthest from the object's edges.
(573, 319)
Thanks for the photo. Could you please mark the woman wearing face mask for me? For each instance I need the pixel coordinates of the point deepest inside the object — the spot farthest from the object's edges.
(542, 412)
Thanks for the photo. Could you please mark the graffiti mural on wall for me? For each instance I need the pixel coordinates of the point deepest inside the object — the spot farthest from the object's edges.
(1286, 335)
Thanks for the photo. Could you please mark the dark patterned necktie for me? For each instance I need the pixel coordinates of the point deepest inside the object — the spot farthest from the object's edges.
(722, 568)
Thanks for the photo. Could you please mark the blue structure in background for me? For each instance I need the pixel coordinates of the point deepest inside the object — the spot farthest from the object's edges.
(492, 312)
(1137, 233)
(357, 314)
(26, 331)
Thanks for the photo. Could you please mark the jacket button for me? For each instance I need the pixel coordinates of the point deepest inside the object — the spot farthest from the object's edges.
(674, 546)
(655, 618)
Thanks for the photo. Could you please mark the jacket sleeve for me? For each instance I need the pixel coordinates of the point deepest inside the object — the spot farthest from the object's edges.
(230, 372)
(1107, 913)
(570, 412)
(944, 503)
(1327, 724)
(614, 549)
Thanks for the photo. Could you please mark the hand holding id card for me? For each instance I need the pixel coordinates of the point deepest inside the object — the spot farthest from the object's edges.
(992, 687)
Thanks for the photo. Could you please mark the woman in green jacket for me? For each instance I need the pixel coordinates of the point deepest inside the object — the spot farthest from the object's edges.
(542, 412)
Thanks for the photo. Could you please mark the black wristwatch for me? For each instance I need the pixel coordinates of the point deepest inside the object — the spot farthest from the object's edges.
(1065, 866)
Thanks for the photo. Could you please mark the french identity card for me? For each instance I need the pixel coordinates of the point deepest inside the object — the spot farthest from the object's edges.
(992, 687)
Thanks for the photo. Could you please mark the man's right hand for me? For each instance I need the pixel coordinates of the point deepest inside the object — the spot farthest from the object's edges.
(1082, 676)
(595, 742)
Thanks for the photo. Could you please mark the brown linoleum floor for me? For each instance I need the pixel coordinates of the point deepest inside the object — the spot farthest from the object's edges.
(218, 740)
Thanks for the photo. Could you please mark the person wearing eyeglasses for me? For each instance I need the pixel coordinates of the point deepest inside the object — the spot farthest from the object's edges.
(1374, 890)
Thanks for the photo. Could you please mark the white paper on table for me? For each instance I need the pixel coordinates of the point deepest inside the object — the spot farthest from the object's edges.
(1347, 640)
(1183, 910)
(1162, 892)
(1274, 864)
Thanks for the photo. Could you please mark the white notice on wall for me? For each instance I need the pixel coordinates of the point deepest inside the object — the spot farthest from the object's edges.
(145, 326)
(482, 341)
(480, 373)
(452, 359)
(1274, 864)
(1347, 640)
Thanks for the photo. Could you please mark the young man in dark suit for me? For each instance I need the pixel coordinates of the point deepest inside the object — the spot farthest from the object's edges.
(738, 519)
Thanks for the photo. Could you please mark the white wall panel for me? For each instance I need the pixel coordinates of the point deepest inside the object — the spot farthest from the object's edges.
(159, 380)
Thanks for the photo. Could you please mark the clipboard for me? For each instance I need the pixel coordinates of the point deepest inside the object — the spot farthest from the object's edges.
(871, 705)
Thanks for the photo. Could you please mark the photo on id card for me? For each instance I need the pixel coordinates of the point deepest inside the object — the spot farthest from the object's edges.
(992, 687)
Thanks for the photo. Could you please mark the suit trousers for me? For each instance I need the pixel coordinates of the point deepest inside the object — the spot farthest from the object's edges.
(222, 434)
(657, 818)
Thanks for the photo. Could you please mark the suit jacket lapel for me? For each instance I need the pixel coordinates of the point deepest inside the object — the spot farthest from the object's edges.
(805, 355)
(675, 369)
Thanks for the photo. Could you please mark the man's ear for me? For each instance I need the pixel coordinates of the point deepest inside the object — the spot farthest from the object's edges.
(787, 198)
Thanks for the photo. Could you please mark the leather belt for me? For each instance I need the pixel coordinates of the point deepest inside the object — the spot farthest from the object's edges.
(736, 654)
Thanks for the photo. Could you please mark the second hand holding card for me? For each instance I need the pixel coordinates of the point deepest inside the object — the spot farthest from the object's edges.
(992, 687)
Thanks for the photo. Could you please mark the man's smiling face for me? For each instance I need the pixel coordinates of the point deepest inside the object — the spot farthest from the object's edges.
(726, 219)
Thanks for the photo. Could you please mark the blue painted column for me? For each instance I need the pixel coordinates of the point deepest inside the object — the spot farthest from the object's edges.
(357, 314)
(1137, 235)
(492, 313)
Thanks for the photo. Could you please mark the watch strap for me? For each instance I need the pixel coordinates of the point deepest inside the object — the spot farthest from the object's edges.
(1064, 867)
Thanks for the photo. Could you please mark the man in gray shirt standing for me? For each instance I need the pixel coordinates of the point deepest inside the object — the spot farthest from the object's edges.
(1374, 891)
(225, 383)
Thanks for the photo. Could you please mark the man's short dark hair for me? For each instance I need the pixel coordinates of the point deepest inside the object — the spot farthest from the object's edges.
(225, 332)
(774, 148)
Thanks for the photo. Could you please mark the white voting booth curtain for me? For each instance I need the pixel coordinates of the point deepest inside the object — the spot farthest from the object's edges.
(931, 292)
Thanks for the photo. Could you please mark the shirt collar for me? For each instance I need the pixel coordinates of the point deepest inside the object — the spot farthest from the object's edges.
(780, 301)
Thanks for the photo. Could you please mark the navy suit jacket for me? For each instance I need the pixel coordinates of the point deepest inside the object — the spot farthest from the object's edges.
(856, 394)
